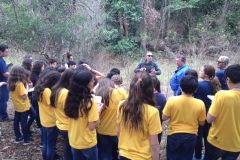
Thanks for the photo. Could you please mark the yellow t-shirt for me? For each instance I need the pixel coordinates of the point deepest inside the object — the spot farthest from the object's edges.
(46, 111)
(184, 113)
(20, 105)
(108, 117)
(136, 145)
(61, 118)
(80, 137)
(225, 130)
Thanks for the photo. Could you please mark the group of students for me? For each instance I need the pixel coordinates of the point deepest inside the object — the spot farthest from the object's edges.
(126, 126)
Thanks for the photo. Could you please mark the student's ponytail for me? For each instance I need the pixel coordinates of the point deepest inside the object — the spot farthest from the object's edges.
(215, 84)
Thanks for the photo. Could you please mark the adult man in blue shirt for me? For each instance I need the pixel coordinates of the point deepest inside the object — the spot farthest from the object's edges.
(4, 93)
(148, 65)
(179, 74)
(222, 64)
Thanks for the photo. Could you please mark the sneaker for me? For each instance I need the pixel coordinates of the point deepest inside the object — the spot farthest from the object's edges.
(41, 144)
(27, 142)
(7, 119)
(18, 140)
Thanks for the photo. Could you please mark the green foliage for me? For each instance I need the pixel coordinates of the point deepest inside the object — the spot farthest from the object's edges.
(125, 46)
(182, 4)
(123, 21)
(233, 22)
(39, 26)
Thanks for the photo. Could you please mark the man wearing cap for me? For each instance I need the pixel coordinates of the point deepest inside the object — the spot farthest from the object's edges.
(222, 64)
(148, 65)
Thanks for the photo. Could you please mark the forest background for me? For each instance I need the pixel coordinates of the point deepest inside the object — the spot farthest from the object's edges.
(117, 33)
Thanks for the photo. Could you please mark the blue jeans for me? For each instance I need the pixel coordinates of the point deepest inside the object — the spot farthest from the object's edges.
(22, 118)
(202, 133)
(36, 107)
(67, 147)
(4, 96)
(214, 153)
(33, 115)
(49, 142)
(85, 154)
(104, 142)
(181, 146)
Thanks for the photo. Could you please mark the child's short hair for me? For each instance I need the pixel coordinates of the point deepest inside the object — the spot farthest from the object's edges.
(61, 69)
(117, 79)
(71, 63)
(233, 72)
(189, 84)
(191, 72)
(52, 60)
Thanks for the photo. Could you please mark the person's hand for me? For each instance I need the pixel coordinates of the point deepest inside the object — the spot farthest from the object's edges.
(100, 108)
(87, 66)
(142, 69)
(153, 71)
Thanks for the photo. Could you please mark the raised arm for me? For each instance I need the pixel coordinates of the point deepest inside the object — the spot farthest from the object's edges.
(98, 74)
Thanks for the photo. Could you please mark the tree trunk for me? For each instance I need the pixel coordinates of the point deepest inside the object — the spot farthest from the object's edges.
(224, 11)
(125, 25)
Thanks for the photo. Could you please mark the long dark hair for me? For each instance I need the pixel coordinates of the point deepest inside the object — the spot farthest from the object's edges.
(46, 81)
(79, 96)
(156, 82)
(141, 92)
(17, 74)
(36, 70)
(27, 64)
(104, 89)
(64, 82)
(215, 84)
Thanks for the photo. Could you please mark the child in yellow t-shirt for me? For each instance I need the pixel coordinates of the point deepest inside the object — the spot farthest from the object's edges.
(138, 121)
(17, 84)
(42, 94)
(107, 134)
(58, 98)
(82, 112)
(185, 114)
(224, 135)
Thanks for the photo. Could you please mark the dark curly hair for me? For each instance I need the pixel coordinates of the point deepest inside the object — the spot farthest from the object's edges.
(113, 72)
(17, 74)
(141, 92)
(46, 81)
(64, 82)
(79, 96)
